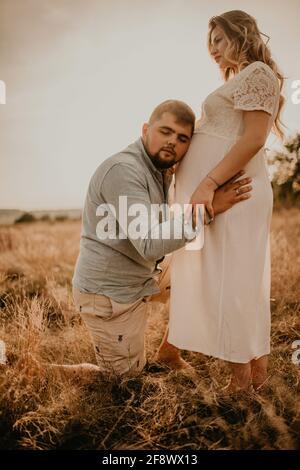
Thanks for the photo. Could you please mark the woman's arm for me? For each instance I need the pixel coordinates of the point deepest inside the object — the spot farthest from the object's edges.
(256, 125)
(253, 139)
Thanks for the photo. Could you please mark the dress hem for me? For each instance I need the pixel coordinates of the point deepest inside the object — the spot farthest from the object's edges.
(261, 353)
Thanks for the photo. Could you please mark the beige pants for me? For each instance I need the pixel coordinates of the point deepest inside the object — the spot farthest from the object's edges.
(118, 330)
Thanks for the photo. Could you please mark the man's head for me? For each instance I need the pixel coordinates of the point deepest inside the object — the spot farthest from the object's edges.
(168, 133)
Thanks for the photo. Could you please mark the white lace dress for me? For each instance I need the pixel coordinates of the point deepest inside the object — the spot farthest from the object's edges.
(220, 295)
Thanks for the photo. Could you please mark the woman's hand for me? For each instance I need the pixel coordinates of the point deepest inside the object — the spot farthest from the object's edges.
(234, 191)
(204, 194)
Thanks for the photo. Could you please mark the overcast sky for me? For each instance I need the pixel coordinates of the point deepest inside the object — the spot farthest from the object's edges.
(83, 75)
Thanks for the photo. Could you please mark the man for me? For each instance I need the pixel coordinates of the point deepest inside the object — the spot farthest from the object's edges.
(116, 276)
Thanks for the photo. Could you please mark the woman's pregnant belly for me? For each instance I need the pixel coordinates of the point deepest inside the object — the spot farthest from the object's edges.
(204, 153)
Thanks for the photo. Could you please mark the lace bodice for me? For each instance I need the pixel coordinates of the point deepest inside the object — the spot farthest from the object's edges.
(254, 88)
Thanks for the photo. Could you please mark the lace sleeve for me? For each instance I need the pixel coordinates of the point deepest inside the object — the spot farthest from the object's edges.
(258, 90)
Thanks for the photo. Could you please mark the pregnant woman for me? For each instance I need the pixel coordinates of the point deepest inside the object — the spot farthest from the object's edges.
(220, 295)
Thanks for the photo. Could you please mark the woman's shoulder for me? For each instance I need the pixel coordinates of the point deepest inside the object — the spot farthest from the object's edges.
(259, 74)
(259, 67)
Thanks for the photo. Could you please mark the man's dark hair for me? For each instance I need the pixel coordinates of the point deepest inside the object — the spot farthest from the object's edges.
(183, 113)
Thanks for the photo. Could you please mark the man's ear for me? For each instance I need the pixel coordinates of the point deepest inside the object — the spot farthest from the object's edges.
(145, 129)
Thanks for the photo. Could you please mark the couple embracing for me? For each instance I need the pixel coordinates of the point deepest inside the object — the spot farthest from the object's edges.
(219, 294)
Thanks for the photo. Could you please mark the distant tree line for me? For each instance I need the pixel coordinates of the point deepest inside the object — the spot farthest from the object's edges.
(285, 182)
(28, 217)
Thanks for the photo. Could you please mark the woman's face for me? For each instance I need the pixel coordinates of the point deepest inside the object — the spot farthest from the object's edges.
(219, 45)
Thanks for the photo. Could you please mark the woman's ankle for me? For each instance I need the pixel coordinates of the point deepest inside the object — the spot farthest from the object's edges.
(168, 350)
(259, 381)
(241, 378)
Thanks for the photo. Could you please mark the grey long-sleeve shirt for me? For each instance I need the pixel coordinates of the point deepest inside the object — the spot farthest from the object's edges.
(125, 268)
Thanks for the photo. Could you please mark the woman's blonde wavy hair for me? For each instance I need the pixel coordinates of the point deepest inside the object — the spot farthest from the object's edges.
(245, 45)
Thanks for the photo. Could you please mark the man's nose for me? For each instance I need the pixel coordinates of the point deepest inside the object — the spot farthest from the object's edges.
(172, 140)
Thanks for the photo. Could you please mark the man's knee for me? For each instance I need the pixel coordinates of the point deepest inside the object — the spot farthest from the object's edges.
(119, 339)
(121, 357)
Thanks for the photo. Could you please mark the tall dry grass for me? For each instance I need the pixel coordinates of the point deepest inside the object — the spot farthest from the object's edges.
(41, 408)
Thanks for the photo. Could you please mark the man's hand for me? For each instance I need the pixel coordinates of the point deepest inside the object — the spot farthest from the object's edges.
(231, 192)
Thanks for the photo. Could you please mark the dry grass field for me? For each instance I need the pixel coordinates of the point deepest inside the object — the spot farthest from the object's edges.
(162, 409)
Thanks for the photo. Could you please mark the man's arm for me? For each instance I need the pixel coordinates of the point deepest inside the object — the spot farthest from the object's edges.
(152, 239)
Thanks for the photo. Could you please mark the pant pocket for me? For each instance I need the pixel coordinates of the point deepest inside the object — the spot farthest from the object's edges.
(103, 308)
(84, 303)
(120, 308)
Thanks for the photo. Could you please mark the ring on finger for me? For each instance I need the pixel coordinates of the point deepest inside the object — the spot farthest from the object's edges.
(237, 191)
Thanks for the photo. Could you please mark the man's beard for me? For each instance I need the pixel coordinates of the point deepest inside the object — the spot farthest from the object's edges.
(160, 163)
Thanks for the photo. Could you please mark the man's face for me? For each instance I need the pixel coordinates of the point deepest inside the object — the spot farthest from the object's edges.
(166, 141)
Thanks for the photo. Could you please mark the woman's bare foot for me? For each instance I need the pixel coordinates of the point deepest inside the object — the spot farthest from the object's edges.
(240, 378)
(232, 388)
(170, 356)
(259, 372)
